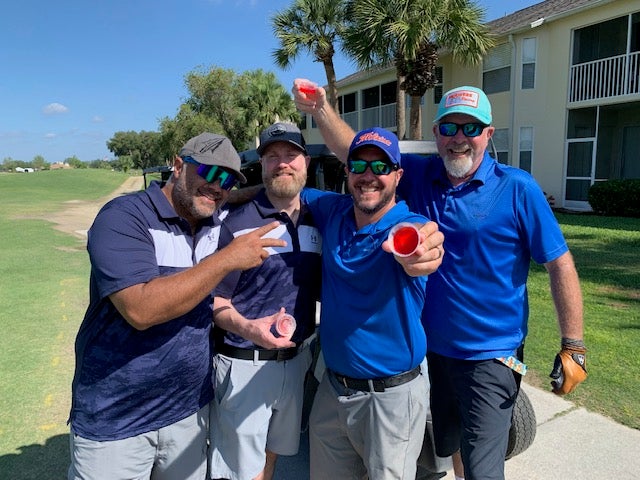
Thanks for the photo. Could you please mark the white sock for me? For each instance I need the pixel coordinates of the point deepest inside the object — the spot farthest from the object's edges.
(458, 478)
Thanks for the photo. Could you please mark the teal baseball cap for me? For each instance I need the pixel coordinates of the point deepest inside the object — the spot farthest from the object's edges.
(469, 100)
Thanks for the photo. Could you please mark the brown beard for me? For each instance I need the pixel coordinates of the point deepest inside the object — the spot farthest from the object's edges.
(285, 187)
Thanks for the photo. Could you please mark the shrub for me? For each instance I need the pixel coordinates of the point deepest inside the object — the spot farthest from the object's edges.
(620, 198)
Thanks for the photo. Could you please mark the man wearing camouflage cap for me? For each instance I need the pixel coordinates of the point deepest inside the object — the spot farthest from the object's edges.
(142, 383)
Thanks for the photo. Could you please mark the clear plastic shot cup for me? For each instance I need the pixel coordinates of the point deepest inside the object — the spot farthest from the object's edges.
(284, 326)
(404, 239)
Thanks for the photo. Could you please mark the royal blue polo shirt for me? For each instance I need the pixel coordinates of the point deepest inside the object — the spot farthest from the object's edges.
(127, 381)
(370, 317)
(493, 226)
(289, 277)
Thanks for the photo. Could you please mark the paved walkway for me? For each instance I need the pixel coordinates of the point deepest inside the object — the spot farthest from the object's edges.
(571, 444)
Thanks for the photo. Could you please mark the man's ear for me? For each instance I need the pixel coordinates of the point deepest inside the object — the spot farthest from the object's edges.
(178, 165)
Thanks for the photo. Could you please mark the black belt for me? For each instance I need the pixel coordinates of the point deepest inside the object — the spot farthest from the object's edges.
(257, 353)
(377, 384)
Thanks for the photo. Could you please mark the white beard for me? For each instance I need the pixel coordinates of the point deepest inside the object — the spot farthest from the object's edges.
(459, 167)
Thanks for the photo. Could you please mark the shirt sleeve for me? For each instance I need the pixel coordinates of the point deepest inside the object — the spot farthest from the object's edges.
(121, 250)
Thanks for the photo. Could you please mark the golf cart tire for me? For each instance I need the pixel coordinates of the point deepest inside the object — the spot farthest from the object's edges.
(523, 426)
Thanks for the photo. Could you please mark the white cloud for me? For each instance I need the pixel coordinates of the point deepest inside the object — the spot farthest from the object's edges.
(54, 108)
(50, 135)
(97, 119)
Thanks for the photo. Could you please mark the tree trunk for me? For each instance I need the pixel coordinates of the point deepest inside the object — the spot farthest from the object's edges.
(416, 118)
(331, 83)
(401, 110)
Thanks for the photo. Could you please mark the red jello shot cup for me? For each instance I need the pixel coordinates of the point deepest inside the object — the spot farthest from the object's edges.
(404, 239)
(307, 88)
(284, 326)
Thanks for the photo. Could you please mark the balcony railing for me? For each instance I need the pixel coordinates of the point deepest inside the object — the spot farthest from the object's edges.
(383, 116)
(609, 77)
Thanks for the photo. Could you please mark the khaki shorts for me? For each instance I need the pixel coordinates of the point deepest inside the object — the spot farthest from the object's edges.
(257, 406)
(175, 452)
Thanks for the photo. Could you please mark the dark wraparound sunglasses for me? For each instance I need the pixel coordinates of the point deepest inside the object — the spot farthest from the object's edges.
(378, 167)
(211, 173)
(449, 129)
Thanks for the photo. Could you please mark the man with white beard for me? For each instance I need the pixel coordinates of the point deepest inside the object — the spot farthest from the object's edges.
(495, 219)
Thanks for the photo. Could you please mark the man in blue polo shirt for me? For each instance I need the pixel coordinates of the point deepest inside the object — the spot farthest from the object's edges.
(369, 414)
(258, 376)
(495, 219)
(142, 382)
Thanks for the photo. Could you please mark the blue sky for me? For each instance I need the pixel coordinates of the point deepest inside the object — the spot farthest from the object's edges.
(74, 72)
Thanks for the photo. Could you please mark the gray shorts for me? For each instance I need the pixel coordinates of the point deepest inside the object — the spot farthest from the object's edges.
(354, 433)
(257, 407)
(175, 452)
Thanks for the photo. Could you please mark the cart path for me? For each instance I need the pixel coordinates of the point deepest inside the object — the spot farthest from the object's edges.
(78, 216)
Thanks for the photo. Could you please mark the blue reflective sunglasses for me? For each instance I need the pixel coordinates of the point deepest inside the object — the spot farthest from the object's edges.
(378, 167)
(449, 129)
(211, 173)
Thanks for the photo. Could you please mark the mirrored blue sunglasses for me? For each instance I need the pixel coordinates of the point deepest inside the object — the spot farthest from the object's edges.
(378, 167)
(449, 129)
(211, 173)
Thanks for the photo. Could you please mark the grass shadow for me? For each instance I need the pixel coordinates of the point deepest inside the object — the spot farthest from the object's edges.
(38, 462)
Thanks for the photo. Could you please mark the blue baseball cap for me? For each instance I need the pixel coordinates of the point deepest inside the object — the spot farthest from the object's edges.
(469, 100)
(378, 137)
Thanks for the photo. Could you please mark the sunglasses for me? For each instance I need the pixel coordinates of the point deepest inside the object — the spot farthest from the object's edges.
(211, 173)
(378, 167)
(449, 129)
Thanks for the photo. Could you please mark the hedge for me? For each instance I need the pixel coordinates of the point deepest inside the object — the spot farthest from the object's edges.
(616, 198)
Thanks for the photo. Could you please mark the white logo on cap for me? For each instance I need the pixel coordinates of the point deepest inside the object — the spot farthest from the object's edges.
(462, 97)
(277, 130)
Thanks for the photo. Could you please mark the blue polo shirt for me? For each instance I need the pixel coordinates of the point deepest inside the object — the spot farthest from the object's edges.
(127, 381)
(493, 226)
(370, 317)
(289, 277)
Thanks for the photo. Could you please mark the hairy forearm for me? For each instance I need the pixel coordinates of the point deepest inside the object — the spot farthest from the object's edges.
(336, 133)
(165, 298)
(567, 296)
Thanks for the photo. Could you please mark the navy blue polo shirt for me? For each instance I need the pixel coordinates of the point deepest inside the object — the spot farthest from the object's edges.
(289, 277)
(127, 381)
(493, 226)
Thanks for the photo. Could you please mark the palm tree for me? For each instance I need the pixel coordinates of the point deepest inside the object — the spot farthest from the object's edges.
(409, 34)
(312, 26)
(266, 101)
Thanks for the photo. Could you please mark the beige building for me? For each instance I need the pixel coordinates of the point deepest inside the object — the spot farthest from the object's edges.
(564, 83)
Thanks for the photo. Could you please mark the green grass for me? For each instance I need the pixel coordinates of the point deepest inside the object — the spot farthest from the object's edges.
(44, 292)
(607, 255)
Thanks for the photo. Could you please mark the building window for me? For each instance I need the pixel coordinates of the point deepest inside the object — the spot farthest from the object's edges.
(602, 40)
(437, 90)
(528, 63)
(302, 125)
(525, 151)
(500, 140)
(379, 106)
(496, 73)
(348, 108)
